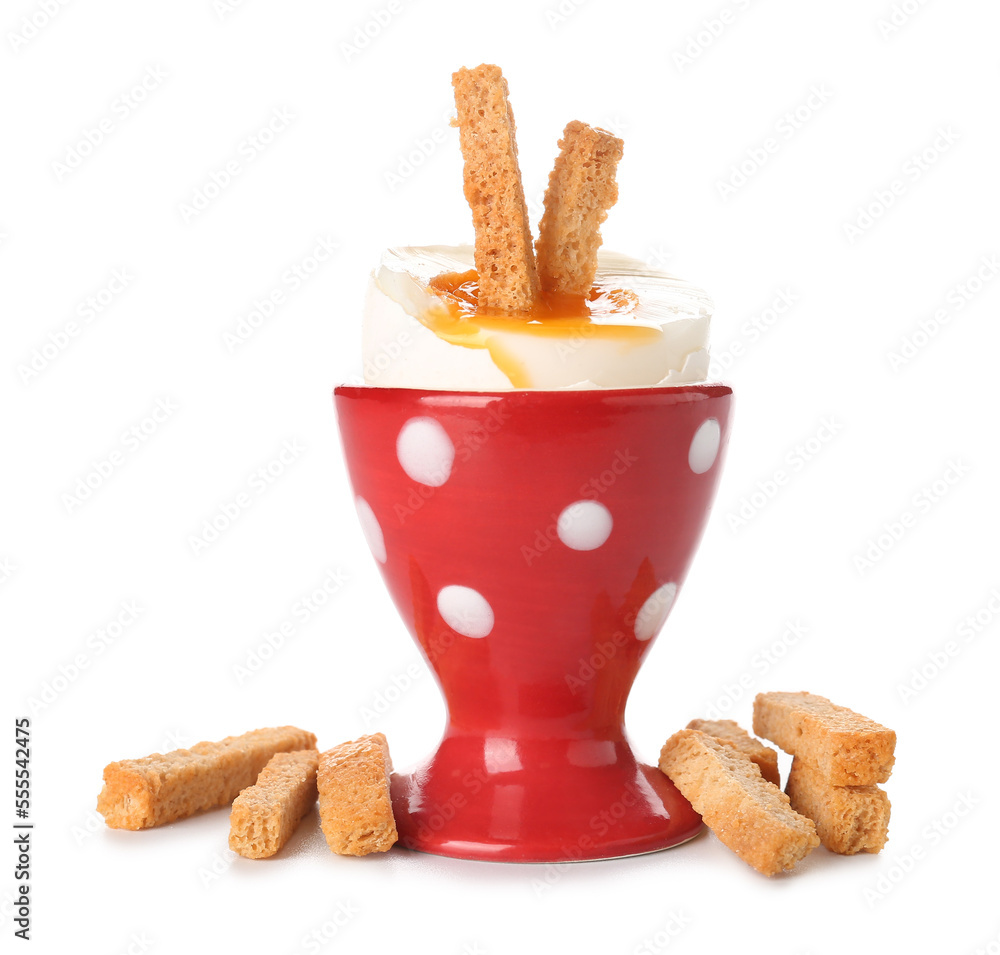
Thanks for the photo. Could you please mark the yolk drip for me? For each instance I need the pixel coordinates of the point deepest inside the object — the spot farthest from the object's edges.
(607, 313)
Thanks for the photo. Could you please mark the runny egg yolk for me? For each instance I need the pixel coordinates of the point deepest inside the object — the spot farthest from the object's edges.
(607, 313)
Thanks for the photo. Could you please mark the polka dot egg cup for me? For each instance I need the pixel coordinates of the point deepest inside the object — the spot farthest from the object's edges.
(534, 543)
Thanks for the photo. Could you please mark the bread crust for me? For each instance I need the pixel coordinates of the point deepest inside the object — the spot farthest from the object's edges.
(848, 749)
(749, 815)
(732, 734)
(504, 257)
(156, 789)
(265, 815)
(355, 806)
(581, 189)
(849, 819)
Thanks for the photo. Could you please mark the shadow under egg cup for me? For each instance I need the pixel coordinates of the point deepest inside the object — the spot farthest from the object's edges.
(534, 542)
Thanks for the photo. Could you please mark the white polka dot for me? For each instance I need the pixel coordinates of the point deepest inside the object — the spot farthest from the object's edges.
(425, 451)
(584, 525)
(653, 613)
(371, 528)
(704, 446)
(465, 610)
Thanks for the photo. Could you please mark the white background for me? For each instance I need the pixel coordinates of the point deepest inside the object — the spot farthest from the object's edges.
(915, 104)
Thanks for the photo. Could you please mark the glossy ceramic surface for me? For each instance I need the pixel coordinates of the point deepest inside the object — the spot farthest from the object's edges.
(534, 543)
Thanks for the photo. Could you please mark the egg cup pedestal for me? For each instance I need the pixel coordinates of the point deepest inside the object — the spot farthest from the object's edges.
(534, 542)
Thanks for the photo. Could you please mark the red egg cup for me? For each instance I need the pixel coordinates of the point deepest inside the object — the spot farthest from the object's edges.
(534, 542)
